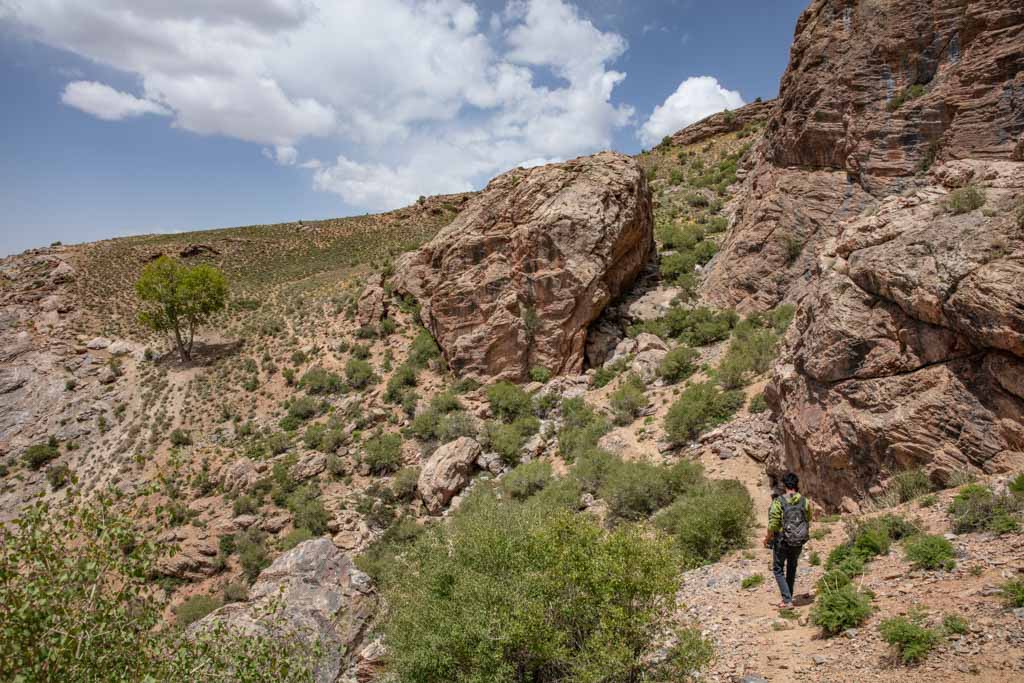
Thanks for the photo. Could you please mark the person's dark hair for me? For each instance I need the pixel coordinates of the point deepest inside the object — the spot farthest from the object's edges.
(791, 481)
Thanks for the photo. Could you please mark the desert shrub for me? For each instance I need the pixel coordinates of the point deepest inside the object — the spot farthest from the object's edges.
(195, 608)
(582, 427)
(954, 624)
(1016, 485)
(930, 552)
(387, 327)
(180, 437)
(336, 466)
(752, 581)
(526, 479)
(508, 402)
(841, 608)
(302, 408)
(976, 507)
(295, 537)
(382, 453)
(606, 373)
(910, 484)
(443, 420)
(965, 199)
(381, 554)
(694, 327)
(361, 351)
(58, 476)
(628, 400)
(539, 374)
(402, 379)
(903, 96)
(1012, 593)
(307, 510)
(423, 349)
(912, 641)
(678, 364)
(508, 439)
(359, 373)
(700, 407)
(244, 505)
(320, 381)
(758, 404)
(236, 592)
(709, 520)
(592, 467)
(635, 490)
(679, 237)
(278, 442)
(564, 599)
(845, 559)
(252, 553)
(404, 485)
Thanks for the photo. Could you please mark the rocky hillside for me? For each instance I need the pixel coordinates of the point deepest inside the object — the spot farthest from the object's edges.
(596, 370)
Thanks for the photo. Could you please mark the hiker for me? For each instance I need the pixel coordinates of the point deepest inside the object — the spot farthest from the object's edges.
(789, 522)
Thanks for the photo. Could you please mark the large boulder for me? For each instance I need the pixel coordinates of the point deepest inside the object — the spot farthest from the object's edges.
(514, 282)
(909, 351)
(447, 472)
(312, 593)
(372, 305)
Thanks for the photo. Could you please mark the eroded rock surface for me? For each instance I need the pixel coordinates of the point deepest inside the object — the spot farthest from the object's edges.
(514, 282)
(313, 593)
(447, 472)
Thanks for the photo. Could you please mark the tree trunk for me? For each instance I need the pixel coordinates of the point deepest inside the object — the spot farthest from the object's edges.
(183, 351)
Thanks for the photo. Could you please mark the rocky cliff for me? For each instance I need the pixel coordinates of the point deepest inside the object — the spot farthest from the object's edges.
(908, 335)
(515, 281)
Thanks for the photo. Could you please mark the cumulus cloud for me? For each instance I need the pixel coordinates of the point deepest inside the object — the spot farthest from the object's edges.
(696, 98)
(421, 97)
(108, 104)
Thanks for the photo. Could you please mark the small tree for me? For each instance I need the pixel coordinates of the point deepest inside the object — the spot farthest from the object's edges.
(177, 299)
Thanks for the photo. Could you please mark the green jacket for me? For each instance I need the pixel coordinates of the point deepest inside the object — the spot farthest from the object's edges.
(775, 512)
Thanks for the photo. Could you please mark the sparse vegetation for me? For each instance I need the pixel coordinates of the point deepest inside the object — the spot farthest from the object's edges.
(930, 552)
(965, 199)
(911, 639)
(700, 407)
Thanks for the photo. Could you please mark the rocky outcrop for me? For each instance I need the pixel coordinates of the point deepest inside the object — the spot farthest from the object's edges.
(372, 306)
(724, 122)
(514, 282)
(909, 351)
(311, 593)
(447, 472)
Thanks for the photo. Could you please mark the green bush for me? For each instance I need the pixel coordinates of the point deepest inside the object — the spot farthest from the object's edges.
(582, 427)
(758, 404)
(841, 608)
(906, 95)
(912, 641)
(1016, 485)
(252, 553)
(1013, 593)
(195, 608)
(180, 437)
(508, 439)
(606, 373)
(526, 480)
(592, 467)
(278, 442)
(295, 537)
(58, 476)
(910, 484)
(507, 592)
(359, 373)
(244, 505)
(700, 407)
(443, 420)
(380, 556)
(635, 490)
(628, 400)
(678, 364)
(694, 327)
(401, 380)
(307, 510)
(404, 485)
(954, 624)
(423, 350)
(709, 521)
(236, 592)
(976, 507)
(508, 402)
(303, 408)
(382, 453)
(930, 552)
(540, 374)
(965, 199)
(320, 381)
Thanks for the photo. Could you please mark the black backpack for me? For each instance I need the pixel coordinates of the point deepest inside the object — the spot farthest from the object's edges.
(795, 529)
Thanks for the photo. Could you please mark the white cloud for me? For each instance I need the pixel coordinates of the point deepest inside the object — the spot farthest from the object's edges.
(421, 97)
(696, 98)
(108, 104)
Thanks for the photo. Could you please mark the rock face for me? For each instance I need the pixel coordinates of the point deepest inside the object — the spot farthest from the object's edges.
(447, 472)
(514, 282)
(319, 595)
(907, 345)
(372, 305)
(724, 122)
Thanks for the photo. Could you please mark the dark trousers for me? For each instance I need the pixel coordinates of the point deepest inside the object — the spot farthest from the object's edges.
(784, 559)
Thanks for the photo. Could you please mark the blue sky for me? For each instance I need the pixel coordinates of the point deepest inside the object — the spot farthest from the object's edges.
(126, 116)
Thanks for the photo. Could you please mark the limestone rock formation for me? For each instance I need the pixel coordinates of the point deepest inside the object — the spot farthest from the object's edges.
(514, 282)
(372, 305)
(447, 472)
(724, 122)
(318, 594)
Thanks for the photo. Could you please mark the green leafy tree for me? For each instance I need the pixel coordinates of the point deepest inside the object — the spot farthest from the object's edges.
(177, 299)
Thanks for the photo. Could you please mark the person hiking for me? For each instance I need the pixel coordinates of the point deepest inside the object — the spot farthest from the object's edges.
(789, 525)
